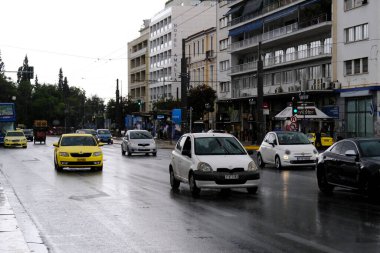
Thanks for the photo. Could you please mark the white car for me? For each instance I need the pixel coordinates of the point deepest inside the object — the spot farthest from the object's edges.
(138, 141)
(212, 160)
(284, 149)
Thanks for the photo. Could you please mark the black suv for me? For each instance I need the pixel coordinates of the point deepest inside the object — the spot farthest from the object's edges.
(28, 134)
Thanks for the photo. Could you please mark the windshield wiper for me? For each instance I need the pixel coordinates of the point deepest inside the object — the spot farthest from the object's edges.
(222, 146)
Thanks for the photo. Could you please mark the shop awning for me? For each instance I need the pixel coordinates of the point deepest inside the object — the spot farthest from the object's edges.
(258, 24)
(307, 112)
(281, 14)
(308, 3)
(252, 6)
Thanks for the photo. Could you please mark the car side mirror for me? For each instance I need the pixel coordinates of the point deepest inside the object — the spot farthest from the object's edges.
(100, 144)
(272, 143)
(56, 144)
(186, 152)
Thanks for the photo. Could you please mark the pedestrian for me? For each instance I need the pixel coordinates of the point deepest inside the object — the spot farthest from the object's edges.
(318, 141)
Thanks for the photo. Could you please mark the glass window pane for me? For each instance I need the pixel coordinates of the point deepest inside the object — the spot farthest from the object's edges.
(365, 31)
(351, 106)
(348, 65)
(365, 65)
(351, 123)
(369, 125)
(357, 66)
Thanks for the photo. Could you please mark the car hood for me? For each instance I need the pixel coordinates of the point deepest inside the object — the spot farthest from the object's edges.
(306, 148)
(79, 149)
(226, 161)
(142, 141)
(14, 137)
(104, 135)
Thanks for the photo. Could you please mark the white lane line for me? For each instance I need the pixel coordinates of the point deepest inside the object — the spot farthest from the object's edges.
(308, 243)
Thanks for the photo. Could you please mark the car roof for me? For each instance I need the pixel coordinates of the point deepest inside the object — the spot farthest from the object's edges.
(202, 135)
(76, 135)
(358, 139)
(137, 130)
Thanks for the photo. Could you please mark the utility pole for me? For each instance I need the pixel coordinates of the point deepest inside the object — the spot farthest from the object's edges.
(260, 128)
(117, 110)
(184, 87)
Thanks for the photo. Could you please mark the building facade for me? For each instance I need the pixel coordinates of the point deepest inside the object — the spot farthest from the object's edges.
(166, 31)
(138, 67)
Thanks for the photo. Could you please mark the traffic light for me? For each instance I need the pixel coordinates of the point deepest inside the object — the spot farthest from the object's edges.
(294, 107)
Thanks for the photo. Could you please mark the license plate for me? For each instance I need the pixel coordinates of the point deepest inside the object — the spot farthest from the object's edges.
(81, 159)
(303, 158)
(231, 176)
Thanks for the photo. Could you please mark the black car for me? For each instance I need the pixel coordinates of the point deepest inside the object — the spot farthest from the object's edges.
(28, 134)
(353, 164)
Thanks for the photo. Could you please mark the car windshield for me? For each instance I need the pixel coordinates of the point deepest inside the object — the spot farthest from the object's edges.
(78, 141)
(370, 148)
(218, 146)
(27, 131)
(140, 135)
(15, 134)
(104, 132)
(292, 138)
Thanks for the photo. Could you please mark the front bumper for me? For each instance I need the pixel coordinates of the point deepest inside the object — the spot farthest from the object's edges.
(143, 149)
(227, 180)
(295, 162)
(70, 162)
(15, 144)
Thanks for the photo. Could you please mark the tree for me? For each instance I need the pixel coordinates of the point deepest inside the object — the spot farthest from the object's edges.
(60, 81)
(169, 104)
(201, 98)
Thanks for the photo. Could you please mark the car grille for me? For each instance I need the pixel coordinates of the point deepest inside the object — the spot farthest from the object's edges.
(302, 161)
(80, 155)
(230, 170)
(144, 145)
(81, 163)
(15, 140)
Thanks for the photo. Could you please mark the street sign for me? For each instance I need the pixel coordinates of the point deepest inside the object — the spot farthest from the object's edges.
(293, 127)
(293, 119)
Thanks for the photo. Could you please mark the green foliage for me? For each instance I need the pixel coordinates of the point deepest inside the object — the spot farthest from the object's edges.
(166, 105)
(199, 97)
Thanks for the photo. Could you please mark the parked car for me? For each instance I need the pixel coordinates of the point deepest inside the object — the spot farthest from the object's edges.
(326, 141)
(352, 164)
(104, 135)
(15, 139)
(286, 148)
(212, 160)
(78, 151)
(138, 141)
(28, 134)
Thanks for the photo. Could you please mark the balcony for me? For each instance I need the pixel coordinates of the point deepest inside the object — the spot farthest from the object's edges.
(138, 53)
(285, 30)
(247, 67)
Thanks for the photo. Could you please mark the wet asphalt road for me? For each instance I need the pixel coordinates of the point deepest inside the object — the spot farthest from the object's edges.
(130, 207)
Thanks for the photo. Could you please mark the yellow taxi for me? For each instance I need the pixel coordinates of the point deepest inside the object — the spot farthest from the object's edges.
(326, 141)
(78, 151)
(15, 139)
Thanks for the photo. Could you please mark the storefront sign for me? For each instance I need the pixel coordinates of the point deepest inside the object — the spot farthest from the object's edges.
(332, 111)
(306, 111)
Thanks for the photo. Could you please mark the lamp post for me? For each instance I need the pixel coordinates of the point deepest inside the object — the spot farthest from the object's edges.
(251, 102)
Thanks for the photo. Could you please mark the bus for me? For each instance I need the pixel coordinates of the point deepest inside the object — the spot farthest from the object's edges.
(7, 119)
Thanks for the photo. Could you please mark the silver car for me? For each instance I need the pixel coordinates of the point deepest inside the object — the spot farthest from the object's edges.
(138, 141)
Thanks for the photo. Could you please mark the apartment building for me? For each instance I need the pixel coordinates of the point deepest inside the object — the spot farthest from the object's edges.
(296, 50)
(177, 21)
(138, 67)
(356, 67)
(200, 50)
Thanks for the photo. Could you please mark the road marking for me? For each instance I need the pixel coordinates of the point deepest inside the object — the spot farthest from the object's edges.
(308, 243)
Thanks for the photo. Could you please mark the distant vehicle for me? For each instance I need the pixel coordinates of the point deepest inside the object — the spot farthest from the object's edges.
(212, 160)
(78, 151)
(138, 141)
(28, 134)
(326, 141)
(15, 138)
(352, 164)
(7, 119)
(40, 129)
(104, 135)
(216, 131)
(286, 148)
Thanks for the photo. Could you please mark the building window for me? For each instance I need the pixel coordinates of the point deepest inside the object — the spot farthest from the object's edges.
(356, 66)
(359, 120)
(288, 76)
(224, 65)
(356, 33)
(224, 87)
(211, 75)
(351, 4)
(223, 44)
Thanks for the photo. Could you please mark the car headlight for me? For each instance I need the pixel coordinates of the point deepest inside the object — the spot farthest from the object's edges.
(63, 154)
(97, 154)
(204, 167)
(6, 139)
(287, 152)
(252, 166)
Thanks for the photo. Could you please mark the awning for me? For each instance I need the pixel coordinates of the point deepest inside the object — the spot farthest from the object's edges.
(235, 9)
(281, 14)
(311, 112)
(252, 6)
(308, 3)
(258, 24)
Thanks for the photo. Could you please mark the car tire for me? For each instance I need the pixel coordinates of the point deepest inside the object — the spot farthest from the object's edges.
(129, 152)
(174, 183)
(193, 186)
(154, 153)
(260, 161)
(323, 184)
(57, 167)
(277, 162)
(252, 190)
(122, 150)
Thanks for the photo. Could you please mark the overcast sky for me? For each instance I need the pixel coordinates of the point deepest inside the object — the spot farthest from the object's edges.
(86, 38)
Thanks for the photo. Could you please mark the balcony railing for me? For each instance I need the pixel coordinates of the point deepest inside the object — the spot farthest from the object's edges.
(278, 32)
(307, 54)
(266, 9)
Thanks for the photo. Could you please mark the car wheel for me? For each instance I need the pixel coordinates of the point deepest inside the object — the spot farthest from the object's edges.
(129, 152)
(193, 186)
(174, 183)
(323, 184)
(252, 190)
(260, 161)
(154, 153)
(277, 162)
(122, 150)
(57, 167)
